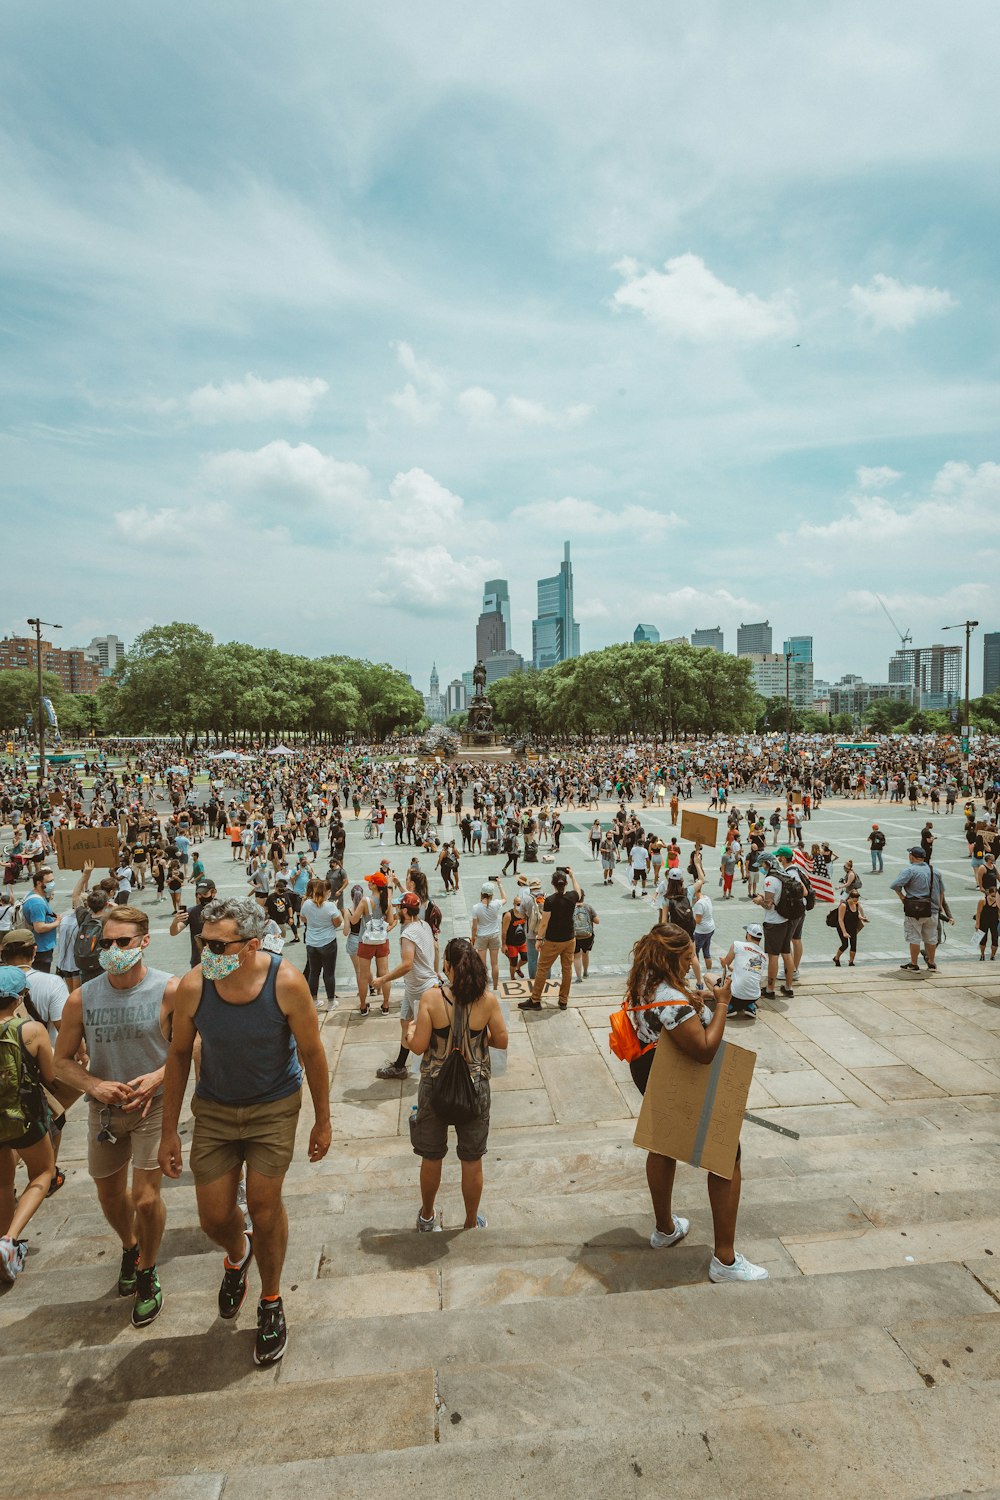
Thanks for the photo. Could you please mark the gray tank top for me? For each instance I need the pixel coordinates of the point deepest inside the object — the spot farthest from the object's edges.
(122, 1027)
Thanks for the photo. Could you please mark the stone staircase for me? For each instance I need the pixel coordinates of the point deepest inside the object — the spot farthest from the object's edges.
(555, 1354)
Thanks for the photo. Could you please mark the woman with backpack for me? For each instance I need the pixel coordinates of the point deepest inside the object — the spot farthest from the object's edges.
(849, 919)
(459, 1020)
(658, 1001)
(25, 1064)
(585, 919)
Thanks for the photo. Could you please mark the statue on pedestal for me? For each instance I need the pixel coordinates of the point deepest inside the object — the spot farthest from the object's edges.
(480, 709)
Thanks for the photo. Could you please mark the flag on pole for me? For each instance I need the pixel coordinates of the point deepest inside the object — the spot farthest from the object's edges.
(821, 884)
(50, 712)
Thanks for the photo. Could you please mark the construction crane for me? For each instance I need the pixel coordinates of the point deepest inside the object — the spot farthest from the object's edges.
(904, 640)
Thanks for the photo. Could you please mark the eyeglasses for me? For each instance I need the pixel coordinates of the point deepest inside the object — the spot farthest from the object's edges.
(122, 942)
(218, 946)
(104, 1134)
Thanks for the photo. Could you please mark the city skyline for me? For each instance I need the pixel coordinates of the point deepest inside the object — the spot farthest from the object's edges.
(718, 302)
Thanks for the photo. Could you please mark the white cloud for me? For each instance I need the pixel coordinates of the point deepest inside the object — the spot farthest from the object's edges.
(282, 468)
(419, 410)
(254, 400)
(699, 609)
(477, 405)
(890, 304)
(419, 370)
(877, 478)
(430, 580)
(687, 301)
(481, 408)
(418, 500)
(174, 525)
(584, 518)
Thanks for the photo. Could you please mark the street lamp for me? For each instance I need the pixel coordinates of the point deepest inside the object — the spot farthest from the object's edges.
(37, 624)
(788, 703)
(968, 626)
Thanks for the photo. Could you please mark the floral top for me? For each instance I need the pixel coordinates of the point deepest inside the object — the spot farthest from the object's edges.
(649, 1023)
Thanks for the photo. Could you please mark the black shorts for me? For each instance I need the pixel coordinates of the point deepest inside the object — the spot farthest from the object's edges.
(584, 944)
(31, 1137)
(429, 1134)
(796, 929)
(777, 937)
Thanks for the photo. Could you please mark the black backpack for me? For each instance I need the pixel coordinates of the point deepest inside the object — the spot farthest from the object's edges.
(810, 893)
(679, 912)
(85, 950)
(454, 1096)
(791, 903)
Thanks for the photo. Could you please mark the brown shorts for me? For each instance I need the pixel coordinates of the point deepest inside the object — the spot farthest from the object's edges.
(227, 1135)
(137, 1140)
(373, 950)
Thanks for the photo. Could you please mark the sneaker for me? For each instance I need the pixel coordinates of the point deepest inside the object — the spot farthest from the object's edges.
(751, 1010)
(127, 1273)
(768, 994)
(529, 1005)
(13, 1254)
(428, 1226)
(660, 1241)
(272, 1335)
(788, 993)
(740, 1270)
(913, 968)
(321, 1007)
(233, 1290)
(148, 1297)
(481, 1222)
(391, 1070)
(795, 977)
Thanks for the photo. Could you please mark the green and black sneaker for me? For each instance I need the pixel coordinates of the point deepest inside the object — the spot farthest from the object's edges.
(127, 1274)
(272, 1335)
(148, 1297)
(234, 1285)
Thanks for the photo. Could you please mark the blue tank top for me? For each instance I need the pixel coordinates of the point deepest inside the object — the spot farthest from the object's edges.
(248, 1053)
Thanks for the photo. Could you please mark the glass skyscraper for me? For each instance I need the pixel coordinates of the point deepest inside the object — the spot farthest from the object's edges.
(555, 635)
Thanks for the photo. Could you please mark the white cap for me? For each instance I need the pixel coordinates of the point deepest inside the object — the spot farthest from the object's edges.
(754, 930)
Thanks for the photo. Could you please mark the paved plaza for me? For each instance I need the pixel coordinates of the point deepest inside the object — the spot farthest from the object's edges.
(556, 1354)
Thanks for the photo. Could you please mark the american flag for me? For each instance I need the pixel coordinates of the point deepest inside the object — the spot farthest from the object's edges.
(821, 884)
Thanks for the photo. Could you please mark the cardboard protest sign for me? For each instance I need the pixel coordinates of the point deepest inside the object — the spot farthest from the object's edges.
(74, 846)
(693, 1112)
(56, 799)
(796, 799)
(700, 828)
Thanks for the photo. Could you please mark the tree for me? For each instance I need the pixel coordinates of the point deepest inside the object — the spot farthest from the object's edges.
(884, 715)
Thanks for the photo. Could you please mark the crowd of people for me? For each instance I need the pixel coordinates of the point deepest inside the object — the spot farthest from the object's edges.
(81, 1012)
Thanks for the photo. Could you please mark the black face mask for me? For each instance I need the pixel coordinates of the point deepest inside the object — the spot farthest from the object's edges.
(205, 900)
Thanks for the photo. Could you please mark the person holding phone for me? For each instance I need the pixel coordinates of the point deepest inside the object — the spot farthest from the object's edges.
(556, 938)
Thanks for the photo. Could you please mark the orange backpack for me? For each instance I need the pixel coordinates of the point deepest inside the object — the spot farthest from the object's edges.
(622, 1039)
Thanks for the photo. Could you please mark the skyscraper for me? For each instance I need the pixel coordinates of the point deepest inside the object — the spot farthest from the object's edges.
(713, 639)
(754, 640)
(107, 651)
(934, 672)
(799, 648)
(991, 662)
(496, 599)
(646, 633)
(491, 634)
(555, 635)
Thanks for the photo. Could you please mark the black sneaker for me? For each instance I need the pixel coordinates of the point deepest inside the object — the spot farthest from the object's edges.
(788, 992)
(233, 1290)
(272, 1335)
(127, 1273)
(148, 1297)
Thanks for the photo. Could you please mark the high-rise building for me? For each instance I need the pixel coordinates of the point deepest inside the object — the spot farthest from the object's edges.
(754, 640)
(76, 673)
(991, 662)
(502, 664)
(456, 698)
(555, 635)
(496, 598)
(799, 647)
(933, 672)
(771, 681)
(711, 639)
(646, 633)
(107, 651)
(434, 704)
(851, 695)
(491, 634)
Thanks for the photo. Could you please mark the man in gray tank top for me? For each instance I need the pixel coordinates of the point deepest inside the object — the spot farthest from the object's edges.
(124, 1017)
(258, 1029)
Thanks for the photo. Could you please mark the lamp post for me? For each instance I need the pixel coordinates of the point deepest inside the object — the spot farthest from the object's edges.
(788, 702)
(968, 626)
(37, 625)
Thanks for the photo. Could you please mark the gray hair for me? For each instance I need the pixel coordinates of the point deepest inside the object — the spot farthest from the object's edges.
(243, 910)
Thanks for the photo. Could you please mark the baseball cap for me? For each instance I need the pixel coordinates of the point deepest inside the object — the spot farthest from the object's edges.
(487, 888)
(784, 852)
(205, 885)
(12, 981)
(17, 937)
(410, 902)
(754, 930)
(918, 852)
(378, 879)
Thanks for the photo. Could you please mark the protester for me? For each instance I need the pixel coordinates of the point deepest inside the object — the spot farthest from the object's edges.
(486, 922)
(416, 968)
(660, 1004)
(850, 919)
(921, 894)
(742, 966)
(585, 920)
(25, 1064)
(987, 921)
(556, 939)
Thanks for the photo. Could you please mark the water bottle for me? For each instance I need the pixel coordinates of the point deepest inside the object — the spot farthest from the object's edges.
(413, 1122)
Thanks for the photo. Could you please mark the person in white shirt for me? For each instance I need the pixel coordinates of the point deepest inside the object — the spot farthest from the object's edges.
(743, 966)
(487, 915)
(704, 926)
(639, 860)
(417, 970)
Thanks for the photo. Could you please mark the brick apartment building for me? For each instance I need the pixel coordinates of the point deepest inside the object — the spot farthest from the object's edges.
(76, 674)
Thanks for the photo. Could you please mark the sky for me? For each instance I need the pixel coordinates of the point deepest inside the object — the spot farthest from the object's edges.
(313, 317)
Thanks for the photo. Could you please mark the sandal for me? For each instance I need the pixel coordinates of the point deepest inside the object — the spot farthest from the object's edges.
(363, 1010)
(58, 1178)
(564, 1005)
(384, 1007)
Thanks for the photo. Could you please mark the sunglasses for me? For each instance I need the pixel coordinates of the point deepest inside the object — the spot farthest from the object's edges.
(218, 946)
(121, 942)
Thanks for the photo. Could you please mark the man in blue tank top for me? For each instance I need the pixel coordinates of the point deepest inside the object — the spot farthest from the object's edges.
(123, 1016)
(258, 1029)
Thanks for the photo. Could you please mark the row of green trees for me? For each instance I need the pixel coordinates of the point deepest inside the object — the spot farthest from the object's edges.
(177, 680)
(663, 690)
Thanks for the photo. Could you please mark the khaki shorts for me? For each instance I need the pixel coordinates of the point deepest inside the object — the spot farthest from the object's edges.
(921, 930)
(137, 1140)
(227, 1135)
(490, 944)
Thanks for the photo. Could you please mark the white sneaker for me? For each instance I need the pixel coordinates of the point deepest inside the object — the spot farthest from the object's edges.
(13, 1254)
(661, 1241)
(740, 1270)
(428, 1226)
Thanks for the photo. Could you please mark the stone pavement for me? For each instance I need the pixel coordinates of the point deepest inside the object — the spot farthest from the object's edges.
(556, 1355)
